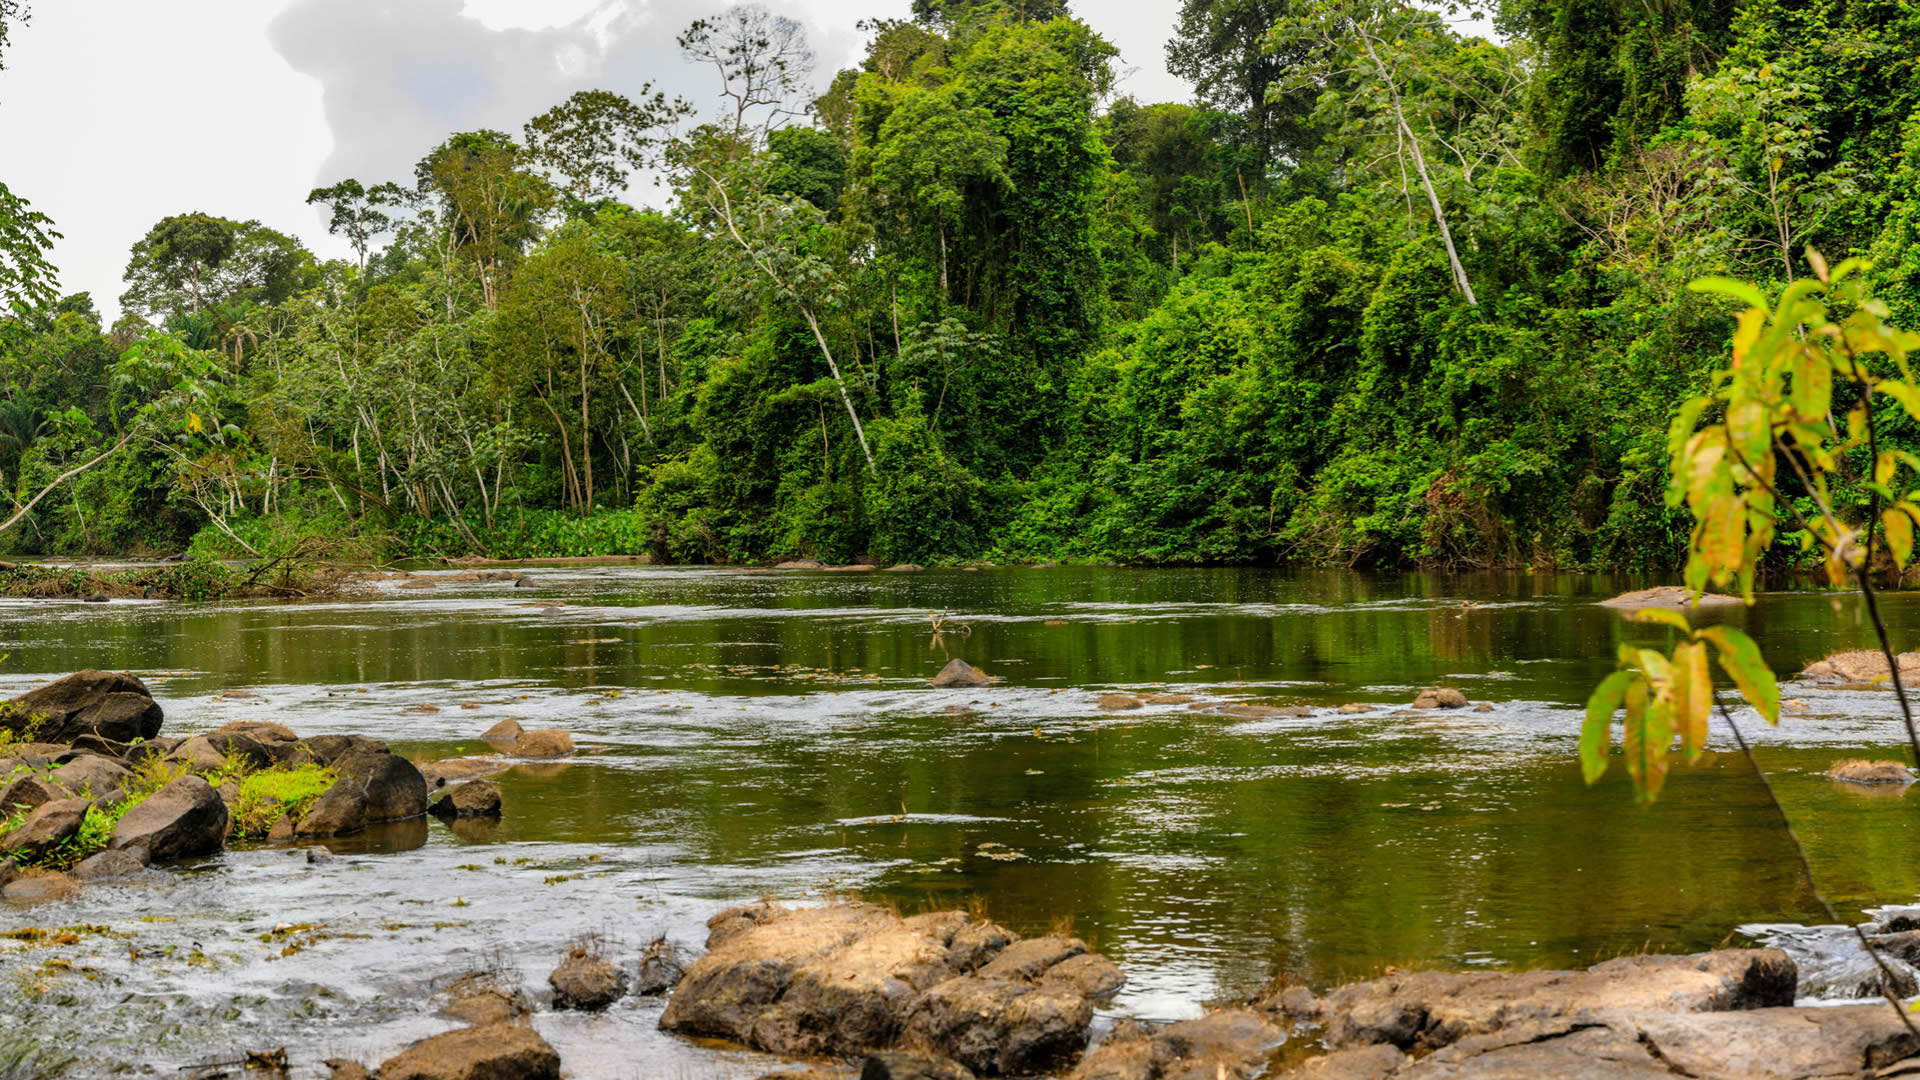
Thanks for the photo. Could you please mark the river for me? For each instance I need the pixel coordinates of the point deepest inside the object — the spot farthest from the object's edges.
(773, 734)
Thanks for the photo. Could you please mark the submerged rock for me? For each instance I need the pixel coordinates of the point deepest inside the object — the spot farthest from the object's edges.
(494, 1052)
(1857, 771)
(959, 673)
(39, 886)
(183, 820)
(1119, 702)
(108, 704)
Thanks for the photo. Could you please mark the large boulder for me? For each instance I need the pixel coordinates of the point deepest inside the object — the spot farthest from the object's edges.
(339, 810)
(1864, 667)
(394, 789)
(545, 743)
(47, 827)
(328, 749)
(109, 704)
(494, 1052)
(852, 978)
(211, 753)
(183, 820)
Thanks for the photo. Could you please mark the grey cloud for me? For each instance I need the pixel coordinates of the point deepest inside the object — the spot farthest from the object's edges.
(398, 76)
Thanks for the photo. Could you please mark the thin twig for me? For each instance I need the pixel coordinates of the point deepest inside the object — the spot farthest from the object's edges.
(1806, 870)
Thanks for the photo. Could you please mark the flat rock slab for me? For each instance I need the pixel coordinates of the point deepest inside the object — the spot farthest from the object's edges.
(1669, 596)
(495, 1052)
(853, 978)
(1431, 1009)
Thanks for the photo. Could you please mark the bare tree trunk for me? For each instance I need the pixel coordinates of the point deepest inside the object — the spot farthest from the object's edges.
(1420, 166)
(61, 479)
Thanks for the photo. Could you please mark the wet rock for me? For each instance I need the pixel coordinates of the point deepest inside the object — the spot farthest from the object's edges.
(1857, 771)
(999, 1026)
(1433, 1009)
(183, 820)
(1795, 705)
(895, 1065)
(495, 1052)
(394, 790)
(341, 809)
(480, 1000)
(801, 564)
(1295, 1003)
(1355, 709)
(108, 865)
(342, 1069)
(277, 741)
(1440, 697)
(959, 673)
(111, 705)
(905, 568)
(586, 982)
(29, 792)
(1167, 699)
(38, 886)
(94, 777)
(328, 749)
(477, 798)
(1668, 596)
(46, 827)
(439, 774)
(549, 743)
(281, 830)
(319, 853)
(1119, 702)
(978, 942)
(661, 969)
(1483, 707)
(505, 729)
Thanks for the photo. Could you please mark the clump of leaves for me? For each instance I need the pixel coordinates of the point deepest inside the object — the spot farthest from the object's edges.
(269, 793)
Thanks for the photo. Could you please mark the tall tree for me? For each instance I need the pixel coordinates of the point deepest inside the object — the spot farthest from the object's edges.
(763, 61)
(1223, 48)
(358, 213)
(490, 203)
(177, 255)
(595, 139)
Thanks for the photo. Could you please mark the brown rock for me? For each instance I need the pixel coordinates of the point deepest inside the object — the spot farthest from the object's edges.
(505, 729)
(999, 1026)
(1355, 709)
(801, 564)
(496, 1052)
(393, 788)
(959, 673)
(548, 743)
(586, 982)
(37, 886)
(111, 705)
(328, 749)
(46, 827)
(1232, 1044)
(342, 1069)
(341, 809)
(94, 776)
(1119, 702)
(661, 969)
(895, 1065)
(852, 998)
(446, 771)
(1865, 667)
(183, 820)
(108, 865)
(1029, 959)
(905, 568)
(475, 799)
(1090, 975)
(1167, 699)
(977, 943)
(29, 792)
(1356, 1063)
(210, 753)
(1440, 697)
(1668, 596)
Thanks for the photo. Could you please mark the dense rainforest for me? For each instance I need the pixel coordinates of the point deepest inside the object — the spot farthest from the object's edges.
(1380, 294)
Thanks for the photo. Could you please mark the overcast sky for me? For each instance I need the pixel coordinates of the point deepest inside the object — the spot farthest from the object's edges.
(117, 113)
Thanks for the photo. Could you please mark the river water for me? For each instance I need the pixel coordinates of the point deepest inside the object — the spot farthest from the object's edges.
(773, 735)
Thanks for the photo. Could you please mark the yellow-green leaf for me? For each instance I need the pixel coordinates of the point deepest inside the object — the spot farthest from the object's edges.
(1596, 735)
(1741, 659)
(1739, 290)
(1899, 534)
(1646, 738)
(1663, 617)
(1812, 387)
(1692, 697)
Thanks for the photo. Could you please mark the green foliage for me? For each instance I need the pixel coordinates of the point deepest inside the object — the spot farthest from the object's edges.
(270, 793)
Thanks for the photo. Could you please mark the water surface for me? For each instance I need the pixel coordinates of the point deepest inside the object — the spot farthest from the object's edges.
(760, 734)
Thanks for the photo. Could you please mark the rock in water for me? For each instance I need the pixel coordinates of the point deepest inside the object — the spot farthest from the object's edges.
(394, 789)
(495, 1052)
(508, 729)
(586, 982)
(341, 809)
(660, 969)
(1856, 771)
(47, 827)
(109, 865)
(1233, 1043)
(474, 799)
(107, 704)
(546, 743)
(1440, 697)
(962, 674)
(40, 885)
(180, 821)
(1669, 596)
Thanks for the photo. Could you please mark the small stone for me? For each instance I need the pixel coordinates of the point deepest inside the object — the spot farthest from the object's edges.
(477, 798)
(340, 1069)
(1483, 707)
(660, 969)
(483, 1053)
(1440, 697)
(959, 673)
(525, 583)
(586, 982)
(505, 729)
(1355, 708)
(548, 743)
(319, 853)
